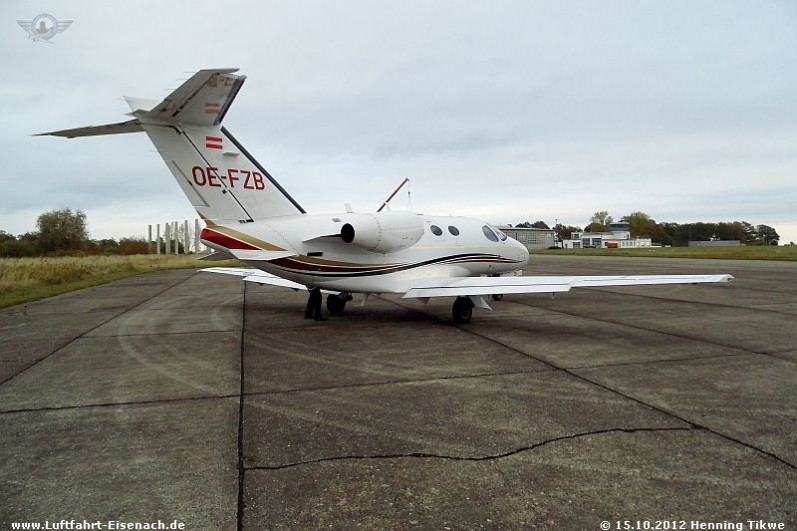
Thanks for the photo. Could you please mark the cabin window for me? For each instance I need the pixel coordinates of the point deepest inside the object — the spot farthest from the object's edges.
(437, 231)
(489, 234)
(453, 230)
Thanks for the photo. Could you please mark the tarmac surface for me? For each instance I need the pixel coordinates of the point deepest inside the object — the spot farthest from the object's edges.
(193, 397)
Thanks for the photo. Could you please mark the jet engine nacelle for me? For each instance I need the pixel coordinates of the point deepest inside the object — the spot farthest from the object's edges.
(383, 232)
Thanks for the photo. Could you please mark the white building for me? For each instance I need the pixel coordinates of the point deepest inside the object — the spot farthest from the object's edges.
(618, 237)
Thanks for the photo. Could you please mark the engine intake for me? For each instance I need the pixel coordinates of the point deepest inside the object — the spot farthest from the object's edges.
(383, 232)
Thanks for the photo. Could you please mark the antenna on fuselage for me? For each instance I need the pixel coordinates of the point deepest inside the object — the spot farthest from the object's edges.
(405, 181)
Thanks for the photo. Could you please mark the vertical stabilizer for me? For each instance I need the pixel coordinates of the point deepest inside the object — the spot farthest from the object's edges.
(221, 179)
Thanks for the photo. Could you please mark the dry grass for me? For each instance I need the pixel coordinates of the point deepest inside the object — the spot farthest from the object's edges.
(28, 279)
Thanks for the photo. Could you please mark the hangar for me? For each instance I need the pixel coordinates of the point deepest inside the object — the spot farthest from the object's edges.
(532, 238)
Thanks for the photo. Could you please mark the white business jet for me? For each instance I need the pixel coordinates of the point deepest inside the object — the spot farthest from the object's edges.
(251, 217)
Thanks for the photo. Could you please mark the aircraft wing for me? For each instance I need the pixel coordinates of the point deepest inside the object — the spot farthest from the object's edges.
(255, 275)
(460, 287)
(260, 277)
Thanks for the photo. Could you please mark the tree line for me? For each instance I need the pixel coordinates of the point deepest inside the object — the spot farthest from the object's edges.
(64, 232)
(670, 233)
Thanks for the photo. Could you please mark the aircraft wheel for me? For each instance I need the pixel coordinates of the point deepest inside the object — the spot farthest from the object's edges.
(336, 304)
(498, 296)
(462, 310)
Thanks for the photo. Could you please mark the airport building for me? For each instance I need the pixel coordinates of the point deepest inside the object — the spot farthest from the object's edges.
(617, 237)
(532, 238)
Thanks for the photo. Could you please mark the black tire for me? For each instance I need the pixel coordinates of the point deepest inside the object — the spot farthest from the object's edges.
(498, 296)
(462, 310)
(336, 304)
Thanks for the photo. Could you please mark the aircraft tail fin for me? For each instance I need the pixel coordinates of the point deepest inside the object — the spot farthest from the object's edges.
(218, 175)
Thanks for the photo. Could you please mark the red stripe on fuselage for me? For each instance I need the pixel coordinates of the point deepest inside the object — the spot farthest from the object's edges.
(225, 241)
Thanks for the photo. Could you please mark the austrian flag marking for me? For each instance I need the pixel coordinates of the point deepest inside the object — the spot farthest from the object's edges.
(213, 142)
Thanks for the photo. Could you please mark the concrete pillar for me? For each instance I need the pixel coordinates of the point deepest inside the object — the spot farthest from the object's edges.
(167, 235)
(158, 238)
(196, 236)
(176, 237)
(186, 237)
(149, 240)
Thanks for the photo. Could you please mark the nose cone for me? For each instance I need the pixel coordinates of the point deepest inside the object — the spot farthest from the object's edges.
(519, 251)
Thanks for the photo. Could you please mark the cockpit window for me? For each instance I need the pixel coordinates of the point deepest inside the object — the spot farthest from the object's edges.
(489, 233)
(453, 230)
(501, 235)
(437, 231)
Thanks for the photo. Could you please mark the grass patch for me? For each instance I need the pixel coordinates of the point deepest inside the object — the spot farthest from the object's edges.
(30, 279)
(747, 252)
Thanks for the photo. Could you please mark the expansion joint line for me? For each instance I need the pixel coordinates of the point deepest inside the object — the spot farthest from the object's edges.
(491, 457)
(742, 351)
(643, 403)
(615, 391)
(241, 468)
(161, 292)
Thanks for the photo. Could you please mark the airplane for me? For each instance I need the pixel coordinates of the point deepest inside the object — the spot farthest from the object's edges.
(251, 217)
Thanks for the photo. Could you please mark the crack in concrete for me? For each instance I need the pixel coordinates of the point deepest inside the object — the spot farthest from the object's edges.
(646, 404)
(490, 457)
(615, 391)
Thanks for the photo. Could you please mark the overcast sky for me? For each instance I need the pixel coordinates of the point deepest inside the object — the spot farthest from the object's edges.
(508, 111)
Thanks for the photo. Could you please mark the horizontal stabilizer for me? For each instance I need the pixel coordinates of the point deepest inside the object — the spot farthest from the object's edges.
(130, 126)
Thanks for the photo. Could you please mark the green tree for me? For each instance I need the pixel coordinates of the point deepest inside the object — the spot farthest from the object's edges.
(750, 233)
(599, 222)
(62, 230)
(564, 232)
(767, 235)
(731, 230)
(540, 225)
(642, 224)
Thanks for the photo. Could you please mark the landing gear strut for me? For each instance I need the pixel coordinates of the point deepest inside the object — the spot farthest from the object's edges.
(337, 303)
(462, 310)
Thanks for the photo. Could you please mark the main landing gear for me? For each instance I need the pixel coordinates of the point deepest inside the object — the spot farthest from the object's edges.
(462, 310)
(337, 303)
